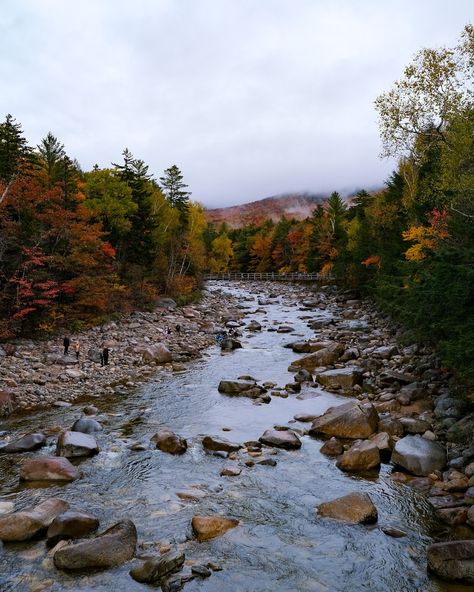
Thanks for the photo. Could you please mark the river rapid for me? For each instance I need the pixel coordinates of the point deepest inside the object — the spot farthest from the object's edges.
(280, 543)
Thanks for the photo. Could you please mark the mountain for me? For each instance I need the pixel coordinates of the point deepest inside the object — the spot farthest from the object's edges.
(296, 205)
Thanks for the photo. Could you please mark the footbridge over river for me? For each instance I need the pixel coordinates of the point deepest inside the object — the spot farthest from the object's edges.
(271, 276)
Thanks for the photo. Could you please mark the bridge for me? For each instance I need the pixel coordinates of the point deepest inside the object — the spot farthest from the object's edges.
(271, 276)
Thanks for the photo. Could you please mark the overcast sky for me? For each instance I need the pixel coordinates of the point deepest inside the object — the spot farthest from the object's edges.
(250, 98)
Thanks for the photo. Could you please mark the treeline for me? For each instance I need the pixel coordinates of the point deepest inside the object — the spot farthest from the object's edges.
(410, 246)
(77, 245)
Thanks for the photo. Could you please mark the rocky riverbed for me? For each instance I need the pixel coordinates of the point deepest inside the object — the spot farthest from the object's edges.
(324, 454)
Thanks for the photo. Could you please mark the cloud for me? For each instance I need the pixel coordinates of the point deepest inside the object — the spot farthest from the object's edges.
(248, 98)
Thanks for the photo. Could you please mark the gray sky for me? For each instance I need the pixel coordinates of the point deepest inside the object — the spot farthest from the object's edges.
(250, 98)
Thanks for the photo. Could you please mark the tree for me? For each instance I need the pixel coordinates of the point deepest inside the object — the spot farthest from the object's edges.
(175, 191)
(15, 155)
(52, 155)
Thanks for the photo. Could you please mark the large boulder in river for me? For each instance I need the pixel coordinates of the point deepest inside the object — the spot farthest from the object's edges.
(168, 441)
(243, 388)
(73, 444)
(322, 357)
(86, 425)
(354, 507)
(419, 455)
(209, 527)
(158, 354)
(254, 326)
(48, 468)
(24, 525)
(306, 347)
(113, 547)
(281, 439)
(229, 344)
(25, 444)
(452, 560)
(340, 378)
(351, 420)
(156, 568)
(71, 525)
(363, 455)
(216, 444)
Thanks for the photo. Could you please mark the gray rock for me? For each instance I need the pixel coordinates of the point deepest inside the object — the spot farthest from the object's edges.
(281, 439)
(86, 425)
(25, 444)
(24, 525)
(418, 455)
(71, 525)
(76, 444)
(452, 560)
(154, 569)
(350, 420)
(217, 443)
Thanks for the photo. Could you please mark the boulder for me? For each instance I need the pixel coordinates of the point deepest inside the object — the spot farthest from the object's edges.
(391, 425)
(419, 455)
(86, 425)
(281, 439)
(166, 303)
(156, 568)
(74, 444)
(452, 560)
(332, 447)
(168, 441)
(229, 344)
(71, 525)
(304, 347)
(322, 357)
(217, 443)
(350, 420)
(411, 425)
(24, 525)
(48, 468)
(355, 507)
(235, 387)
(363, 455)
(303, 375)
(25, 444)
(158, 354)
(254, 326)
(113, 547)
(384, 443)
(209, 527)
(340, 378)
(231, 471)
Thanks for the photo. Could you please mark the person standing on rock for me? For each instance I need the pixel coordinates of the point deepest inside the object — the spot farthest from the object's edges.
(105, 356)
(66, 344)
(77, 349)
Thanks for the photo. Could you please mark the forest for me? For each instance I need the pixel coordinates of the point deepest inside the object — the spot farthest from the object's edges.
(79, 246)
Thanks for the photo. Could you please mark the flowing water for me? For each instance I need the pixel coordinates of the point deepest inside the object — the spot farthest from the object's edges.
(280, 544)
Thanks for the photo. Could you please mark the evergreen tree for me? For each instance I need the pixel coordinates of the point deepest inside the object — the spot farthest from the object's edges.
(175, 191)
(15, 155)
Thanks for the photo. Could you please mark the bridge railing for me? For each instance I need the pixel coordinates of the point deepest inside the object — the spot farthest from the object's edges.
(269, 276)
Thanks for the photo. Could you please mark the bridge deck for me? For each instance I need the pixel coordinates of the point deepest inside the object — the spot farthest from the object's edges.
(281, 277)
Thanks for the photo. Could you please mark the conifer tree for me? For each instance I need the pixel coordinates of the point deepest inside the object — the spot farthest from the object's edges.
(175, 191)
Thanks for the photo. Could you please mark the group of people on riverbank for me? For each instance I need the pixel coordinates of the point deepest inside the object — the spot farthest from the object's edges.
(104, 354)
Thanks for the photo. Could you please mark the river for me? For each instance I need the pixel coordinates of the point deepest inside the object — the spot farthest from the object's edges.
(280, 544)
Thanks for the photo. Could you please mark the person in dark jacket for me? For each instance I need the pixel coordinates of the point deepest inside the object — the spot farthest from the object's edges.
(66, 344)
(105, 356)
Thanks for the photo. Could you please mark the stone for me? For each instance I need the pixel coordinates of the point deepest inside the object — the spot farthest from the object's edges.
(452, 560)
(268, 462)
(303, 375)
(90, 410)
(281, 439)
(363, 455)
(229, 344)
(254, 326)
(6, 507)
(76, 444)
(332, 447)
(355, 507)
(340, 378)
(113, 547)
(25, 444)
(168, 441)
(209, 527)
(452, 516)
(304, 347)
(48, 468)
(230, 472)
(350, 420)
(391, 425)
(201, 571)
(166, 303)
(217, 443)
(393, 532)
(86, 425)
(322, 357)
(235, 387)
(6, 403)
(305, 417)
(411, 425)
(71, 525)
(384, 443)
(156, 568)
(24, 525)
(158, 354)
(384, 352)
(418, 455)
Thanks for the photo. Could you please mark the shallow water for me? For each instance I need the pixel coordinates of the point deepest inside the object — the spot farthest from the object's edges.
(280, 543)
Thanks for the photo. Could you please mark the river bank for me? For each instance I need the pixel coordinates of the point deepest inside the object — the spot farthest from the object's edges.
(339, 352)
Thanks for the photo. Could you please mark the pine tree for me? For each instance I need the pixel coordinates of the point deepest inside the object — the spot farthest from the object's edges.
(15, 155)
(175, 191)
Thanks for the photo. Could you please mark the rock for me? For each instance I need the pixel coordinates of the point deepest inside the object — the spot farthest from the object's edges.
(384, 443)
(6, 403)
(281, 439)
(418, 455)
(168, 441)
(74, 373)
(363, 455)
(354, 507)
(340, 378)
(216, 443)
(230, 472)
(48, 468)
(201, 571)
(158, 354)
(452, 560)
(384, 352)
(391, 531)
(113, 547)
(209, 527)
(24, 525)
(166, 303)
(350, 420)
(254, 326)
(303, 347)
(285, 329)
(6, 508)
(25, 444)
(229, 344)
(71, 525)
(412, 425)
(86, 425)
(193, 494)
(305, 417)
(391, 425)
(332, 447)
(154, 569)
(235, 387)
(461, 431)
(90, 410)
(75, 444)
(303, 375)
(322, 357)
(269, 462)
